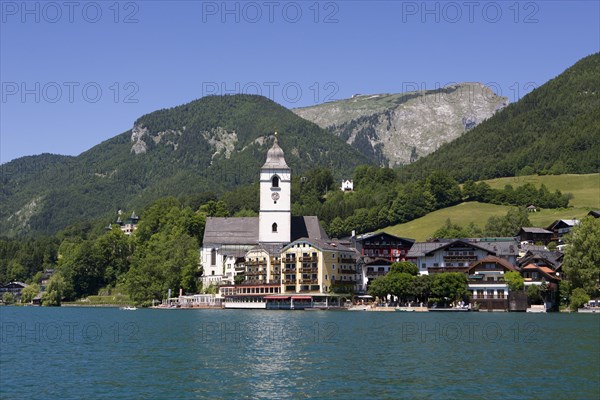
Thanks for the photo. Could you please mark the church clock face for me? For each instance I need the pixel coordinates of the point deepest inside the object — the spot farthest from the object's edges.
(275, 196)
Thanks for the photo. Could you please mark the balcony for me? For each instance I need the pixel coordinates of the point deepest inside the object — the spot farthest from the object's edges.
(255, 273)
(292, 281)
(347, 260)
(460, 258)
(309, 281)
(255, 262)
(309, 259)
(375, 274)
(309, 270)
(348, 270)
(482, 282)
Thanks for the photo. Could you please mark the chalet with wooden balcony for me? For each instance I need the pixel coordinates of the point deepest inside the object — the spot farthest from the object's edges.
(543, 258)
(383, 246)
(489, 291)
(446, 256)
(457, 255)
(370, 269)
(547, 279)
(535, 235)
(13, 288)
(562, 227)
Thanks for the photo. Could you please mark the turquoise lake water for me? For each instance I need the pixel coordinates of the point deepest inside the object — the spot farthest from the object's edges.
(107, 353)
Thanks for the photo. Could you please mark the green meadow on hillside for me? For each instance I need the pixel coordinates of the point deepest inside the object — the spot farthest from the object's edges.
(584, 188)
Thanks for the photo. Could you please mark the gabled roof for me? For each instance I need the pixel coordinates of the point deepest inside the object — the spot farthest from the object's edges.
(307, 226)
(244, 230)
(421, 249)
(547, 272)
(563, 222)
(533, 247)
(15, 284)
(492, 259)
(553, 258)
(530, 229)
(239, 230)
(501, 248)
(323, 245)
(370, 235)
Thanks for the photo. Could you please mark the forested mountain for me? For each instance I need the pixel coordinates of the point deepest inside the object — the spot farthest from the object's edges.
(554, 129)
(397, 129)
(218, 143)
(209, 145)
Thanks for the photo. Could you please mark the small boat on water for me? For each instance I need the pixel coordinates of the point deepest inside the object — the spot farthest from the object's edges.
(129, 308)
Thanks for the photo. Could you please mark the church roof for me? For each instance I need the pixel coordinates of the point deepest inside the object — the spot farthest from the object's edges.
(275, 157)
(308, 226)
(239, 230)
(244, 230)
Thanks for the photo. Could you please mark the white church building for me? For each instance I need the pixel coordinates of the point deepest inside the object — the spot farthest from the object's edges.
(229, 242)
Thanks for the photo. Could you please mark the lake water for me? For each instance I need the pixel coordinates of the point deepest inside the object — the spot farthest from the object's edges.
(106, 353)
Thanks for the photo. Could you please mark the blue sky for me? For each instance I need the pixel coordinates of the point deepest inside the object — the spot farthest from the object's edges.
(75, 74)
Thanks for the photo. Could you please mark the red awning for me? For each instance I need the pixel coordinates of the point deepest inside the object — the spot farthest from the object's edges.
(301, 298)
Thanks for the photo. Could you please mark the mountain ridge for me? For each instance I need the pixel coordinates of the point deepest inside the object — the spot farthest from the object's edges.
(397, 129)
(212, 144)
(552, 130)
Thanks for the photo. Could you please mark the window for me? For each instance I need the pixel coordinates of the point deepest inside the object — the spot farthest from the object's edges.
(213, 257)
(274, 227)
(275, 182)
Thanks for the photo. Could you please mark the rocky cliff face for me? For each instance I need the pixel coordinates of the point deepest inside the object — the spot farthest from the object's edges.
(398, 129)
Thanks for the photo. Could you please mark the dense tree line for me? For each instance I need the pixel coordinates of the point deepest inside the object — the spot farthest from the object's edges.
(582, 260)
(181, 158)
(380, 199)
(524, 195)
(404, 282)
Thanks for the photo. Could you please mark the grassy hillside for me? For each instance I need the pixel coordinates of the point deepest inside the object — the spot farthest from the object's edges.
(463, 214)
(478, 213)
(584, 188)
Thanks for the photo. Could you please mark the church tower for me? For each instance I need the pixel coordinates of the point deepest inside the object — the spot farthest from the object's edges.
(275, 198)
